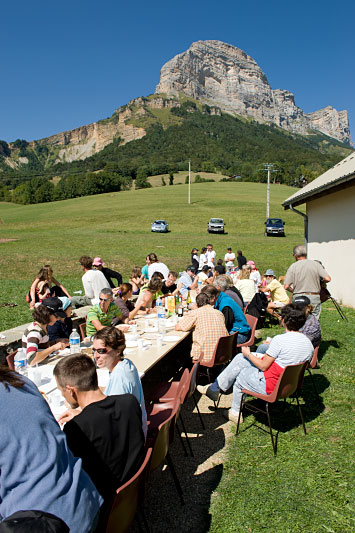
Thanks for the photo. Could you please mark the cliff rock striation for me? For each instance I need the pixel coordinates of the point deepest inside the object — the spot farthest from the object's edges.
(223, 75)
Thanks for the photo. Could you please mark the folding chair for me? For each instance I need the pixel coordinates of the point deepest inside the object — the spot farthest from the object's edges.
(82, 329)
(10, 359)
(287, 384)
(252, 321)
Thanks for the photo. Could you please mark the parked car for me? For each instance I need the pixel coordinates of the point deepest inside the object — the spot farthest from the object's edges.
(274, 226)
(160, 226)
(216, 225)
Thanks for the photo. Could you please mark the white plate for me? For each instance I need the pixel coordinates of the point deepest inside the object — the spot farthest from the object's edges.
(131, 344)
(66, 351)
(152, 329)
(171, 338)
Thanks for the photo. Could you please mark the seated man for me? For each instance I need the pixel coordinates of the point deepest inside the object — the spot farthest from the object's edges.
(224, 283)
(102, 314)
(206, 276)
(93, 282)
(233, 315)
(187, 281)
(107, 434)
(169, 285)
(208, 325)
(248, 371)
(278, 295)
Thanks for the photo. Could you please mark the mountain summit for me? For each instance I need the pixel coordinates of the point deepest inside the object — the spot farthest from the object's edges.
(223, 75)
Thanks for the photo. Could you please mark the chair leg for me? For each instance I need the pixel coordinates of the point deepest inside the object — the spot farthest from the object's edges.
(176, 479)
(208, 375)
(186, 435)
(181, 440)
(199, 413)
(301, 415)
(240, 412)
(270, 428)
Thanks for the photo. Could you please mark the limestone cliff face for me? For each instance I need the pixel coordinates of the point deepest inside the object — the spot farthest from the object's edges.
(223, 75)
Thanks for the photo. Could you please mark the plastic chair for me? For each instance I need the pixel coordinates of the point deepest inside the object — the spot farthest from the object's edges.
(165, 414)
(287, 384)
(10, 359)
(252, 321)
(313, 363)
(82, 329)
(127, 499)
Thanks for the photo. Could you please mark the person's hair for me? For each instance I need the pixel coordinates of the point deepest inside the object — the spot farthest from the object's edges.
(221, 283)
(210, 245)
(42, 314)
(239, 252)
(8, 377)
(244, 273)
(220, 262)
(227, 278)
(203, 249)
(125, 288)
(108, 291)
(300, 251)
(211, 291)
(136, 272)
(202, 299)
(206, 268)
(78, 371)
(45, 273)
(173, 273)
(113, 338)
(193, 250)
(307, 309)
(86, 261)
(155, 285)
(153, 258)
(293, 317)
(157, 275)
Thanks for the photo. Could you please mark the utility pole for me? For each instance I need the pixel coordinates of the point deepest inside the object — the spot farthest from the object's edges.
(189, 182)
(268, 167)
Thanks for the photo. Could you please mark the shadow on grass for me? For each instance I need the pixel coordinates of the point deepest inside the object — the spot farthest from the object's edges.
(324, 346)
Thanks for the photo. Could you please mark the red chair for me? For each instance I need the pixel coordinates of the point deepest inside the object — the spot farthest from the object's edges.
(252, 321)
(287, 384)
(82, 329)
(10, 359)
(127, 499)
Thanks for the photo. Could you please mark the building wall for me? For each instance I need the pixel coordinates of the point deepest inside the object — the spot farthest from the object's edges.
(331, 239)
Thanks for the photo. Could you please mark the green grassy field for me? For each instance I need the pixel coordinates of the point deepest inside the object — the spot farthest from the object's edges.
(116, 226)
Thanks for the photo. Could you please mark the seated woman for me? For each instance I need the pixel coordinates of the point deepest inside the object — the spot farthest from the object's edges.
(62, 328)
(123, 294)
(245, 285)
(35, 340)
(37, 469)
(45, 278)
(147, 296)
(136, 279)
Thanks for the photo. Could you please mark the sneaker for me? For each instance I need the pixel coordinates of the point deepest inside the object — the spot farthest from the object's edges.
(228, 415)
(207, 391)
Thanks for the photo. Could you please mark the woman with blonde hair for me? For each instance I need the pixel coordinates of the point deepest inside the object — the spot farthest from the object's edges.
(245, 285)
(136, 279)
(42, 281)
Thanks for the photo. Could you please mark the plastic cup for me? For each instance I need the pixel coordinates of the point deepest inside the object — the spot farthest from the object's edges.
(133, 328)
(140, 343)
(159, 341)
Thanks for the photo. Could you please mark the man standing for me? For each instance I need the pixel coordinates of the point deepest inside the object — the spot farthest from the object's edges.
(229, 259)
(107, 272)
(103, 313)
(304, 277)
(107, 434)
(211, 256)
(208, 327)
(241, 259)
(93, 282)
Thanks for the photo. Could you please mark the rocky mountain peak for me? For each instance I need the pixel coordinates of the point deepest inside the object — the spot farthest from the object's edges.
(224, 75)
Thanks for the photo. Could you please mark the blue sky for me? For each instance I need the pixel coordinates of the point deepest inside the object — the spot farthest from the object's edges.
(70, 63)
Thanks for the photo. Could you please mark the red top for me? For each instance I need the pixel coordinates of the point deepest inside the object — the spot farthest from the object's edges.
(271, 375)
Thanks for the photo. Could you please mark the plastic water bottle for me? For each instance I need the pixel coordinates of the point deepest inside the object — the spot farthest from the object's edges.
(20, 362)
(74, 342)
(161, 320)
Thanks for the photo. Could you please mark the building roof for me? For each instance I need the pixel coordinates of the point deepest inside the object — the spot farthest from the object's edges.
(339, 176)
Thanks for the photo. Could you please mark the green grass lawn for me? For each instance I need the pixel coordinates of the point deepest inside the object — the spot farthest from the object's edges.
(116, 226)
(309, 486)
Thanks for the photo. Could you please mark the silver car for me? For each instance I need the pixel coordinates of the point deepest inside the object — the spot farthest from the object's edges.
(216, 225)
(160, 226)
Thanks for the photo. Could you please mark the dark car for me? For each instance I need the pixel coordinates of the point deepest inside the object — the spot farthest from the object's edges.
(274, 226)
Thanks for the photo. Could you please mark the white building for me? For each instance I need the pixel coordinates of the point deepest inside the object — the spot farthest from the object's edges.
(330, 225)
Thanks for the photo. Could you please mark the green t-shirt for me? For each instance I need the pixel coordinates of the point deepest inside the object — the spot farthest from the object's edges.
(96, 313)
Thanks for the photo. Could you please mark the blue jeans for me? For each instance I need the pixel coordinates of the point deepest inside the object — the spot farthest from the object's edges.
(242, 337)
(262, 348)
(242, 374)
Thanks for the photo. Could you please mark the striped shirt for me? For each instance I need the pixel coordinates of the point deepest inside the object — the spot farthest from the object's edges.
(96, 313)
(34, 339)
(209, 325)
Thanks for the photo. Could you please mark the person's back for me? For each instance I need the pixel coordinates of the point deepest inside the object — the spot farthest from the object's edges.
(304, 276)
(37, 470)
(94, 281)
(108, 436)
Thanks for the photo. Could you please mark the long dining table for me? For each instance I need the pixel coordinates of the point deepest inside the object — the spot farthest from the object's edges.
(145, 347)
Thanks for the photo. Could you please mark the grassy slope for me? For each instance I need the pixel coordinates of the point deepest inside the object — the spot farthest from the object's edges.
(116, 226)
(308, 487)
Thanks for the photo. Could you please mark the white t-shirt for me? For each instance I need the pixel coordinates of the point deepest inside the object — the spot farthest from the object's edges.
(255, 276)
(229, 258)
(158, 267)
(203, 261)
(290, 348)
(93, 282)
(211, 256)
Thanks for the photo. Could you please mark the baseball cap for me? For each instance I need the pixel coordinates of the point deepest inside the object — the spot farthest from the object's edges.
(191, 269)
(195, 249)
(98, 262)
(55, 305)
(301, 300)
(65, 301)
(269, 272)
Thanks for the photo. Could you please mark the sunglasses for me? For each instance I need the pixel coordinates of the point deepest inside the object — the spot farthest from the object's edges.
(100, 351)
(105, 299)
